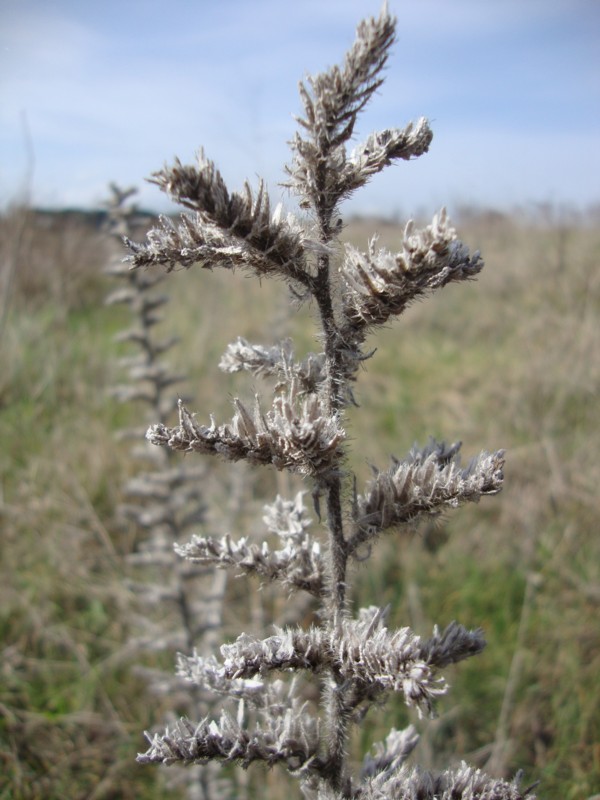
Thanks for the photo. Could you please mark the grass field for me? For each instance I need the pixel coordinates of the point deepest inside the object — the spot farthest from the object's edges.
(512, 360)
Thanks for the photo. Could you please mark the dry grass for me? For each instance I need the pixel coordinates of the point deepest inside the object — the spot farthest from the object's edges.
(510, 361)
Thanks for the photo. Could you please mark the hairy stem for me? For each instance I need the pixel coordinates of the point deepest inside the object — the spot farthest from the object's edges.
(336, 706)
(337, 715)
(338, 553)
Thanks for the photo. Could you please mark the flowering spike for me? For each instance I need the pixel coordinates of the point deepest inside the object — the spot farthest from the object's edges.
(358, 660)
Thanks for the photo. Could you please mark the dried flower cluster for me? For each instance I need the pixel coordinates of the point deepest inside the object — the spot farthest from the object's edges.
(358, 661)
(423, 483)
(380, 284)
(298, 564)
(298, 436)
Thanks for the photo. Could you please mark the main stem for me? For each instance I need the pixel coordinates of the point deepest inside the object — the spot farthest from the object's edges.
(336, 707)
(337, 710)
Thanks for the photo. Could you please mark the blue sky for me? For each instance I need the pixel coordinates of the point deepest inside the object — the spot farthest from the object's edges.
(111, 90)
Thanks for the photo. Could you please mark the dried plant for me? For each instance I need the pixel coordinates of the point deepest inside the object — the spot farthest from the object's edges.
(356, 660)
(163, 501)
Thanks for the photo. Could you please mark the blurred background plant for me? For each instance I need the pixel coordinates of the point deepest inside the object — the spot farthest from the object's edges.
(179, 605)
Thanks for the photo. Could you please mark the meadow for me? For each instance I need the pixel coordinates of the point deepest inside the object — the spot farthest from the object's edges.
(509, 361)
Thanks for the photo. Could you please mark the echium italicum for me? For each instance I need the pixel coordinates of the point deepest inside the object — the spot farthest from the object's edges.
(355, 658)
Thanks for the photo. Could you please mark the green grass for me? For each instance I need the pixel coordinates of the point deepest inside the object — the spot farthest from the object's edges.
(510, 361)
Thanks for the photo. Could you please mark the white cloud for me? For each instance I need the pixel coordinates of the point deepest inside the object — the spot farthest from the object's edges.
(112, 91)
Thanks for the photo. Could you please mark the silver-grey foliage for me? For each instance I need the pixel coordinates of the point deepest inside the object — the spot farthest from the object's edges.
(356, 660)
